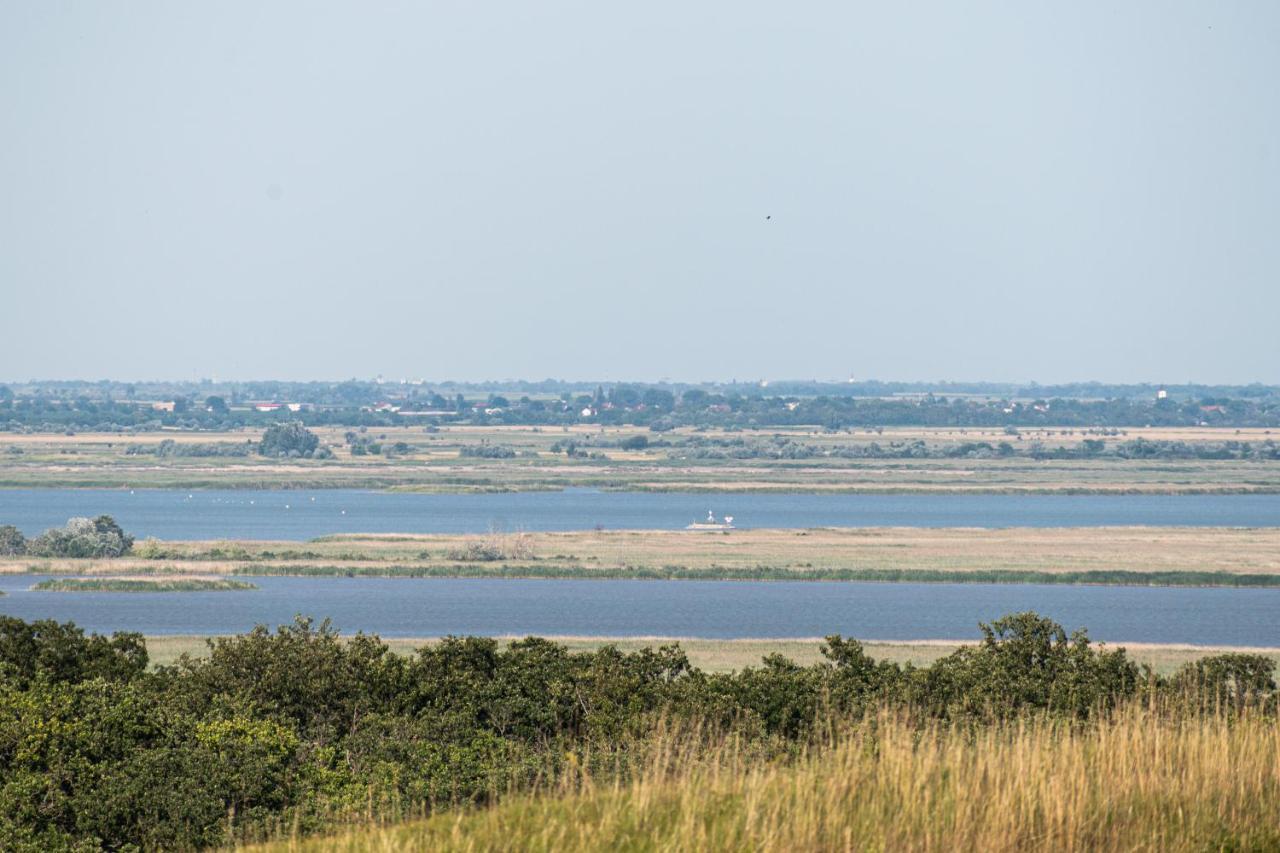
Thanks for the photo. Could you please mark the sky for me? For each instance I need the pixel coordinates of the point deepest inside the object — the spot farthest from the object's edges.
(696, 191)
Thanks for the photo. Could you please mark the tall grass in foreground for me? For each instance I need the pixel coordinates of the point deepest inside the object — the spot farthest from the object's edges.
(1139, 781)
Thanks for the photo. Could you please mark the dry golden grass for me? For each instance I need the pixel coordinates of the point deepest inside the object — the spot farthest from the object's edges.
(1243, 551)
(1139, 782)
(733, 655)
(100, 459)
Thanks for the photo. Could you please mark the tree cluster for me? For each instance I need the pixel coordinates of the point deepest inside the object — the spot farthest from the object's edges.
(79, 537)
(290, 439)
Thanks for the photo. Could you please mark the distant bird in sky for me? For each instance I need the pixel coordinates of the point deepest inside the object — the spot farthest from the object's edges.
(768, 217)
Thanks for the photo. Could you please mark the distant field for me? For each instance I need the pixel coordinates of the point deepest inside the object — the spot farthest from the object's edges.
(731, 655)
(434, 463)
(1197, 556)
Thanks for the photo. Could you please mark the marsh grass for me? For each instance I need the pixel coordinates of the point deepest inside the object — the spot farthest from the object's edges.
(1141, 780)
(480, 567)
(1128, 555)
(142, 585)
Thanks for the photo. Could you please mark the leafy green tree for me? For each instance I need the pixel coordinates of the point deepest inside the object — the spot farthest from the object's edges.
(288, 439)
(12, 542)
(1231, 681)
(60, 652)
(624, 396)
(82, 538)
(635, 442)
(1028, 661)
(658, 398)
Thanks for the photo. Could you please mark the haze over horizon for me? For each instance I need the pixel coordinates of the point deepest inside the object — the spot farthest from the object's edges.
(429, 381)
(1012, 192)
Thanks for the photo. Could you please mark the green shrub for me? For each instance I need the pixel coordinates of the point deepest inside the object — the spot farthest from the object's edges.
(288, 439)
(12, 542)
(299, 727)
(83, 537)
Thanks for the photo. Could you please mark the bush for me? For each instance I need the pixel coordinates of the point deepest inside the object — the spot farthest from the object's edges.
(288, 438)
(83, 537)
(297, 727)
(494, 547)
(12, 542)
(487, 451)
(635, 442)
(60, 653)
(1228, 681)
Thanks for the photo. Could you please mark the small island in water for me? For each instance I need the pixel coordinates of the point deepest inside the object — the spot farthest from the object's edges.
(146, 584)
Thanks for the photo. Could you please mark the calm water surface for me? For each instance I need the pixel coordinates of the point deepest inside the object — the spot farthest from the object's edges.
(299, 515)
(718, 609)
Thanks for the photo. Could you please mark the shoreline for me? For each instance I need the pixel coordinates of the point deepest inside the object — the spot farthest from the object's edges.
(728, 489)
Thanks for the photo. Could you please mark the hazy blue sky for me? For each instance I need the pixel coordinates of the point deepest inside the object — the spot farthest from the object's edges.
(1018, 190)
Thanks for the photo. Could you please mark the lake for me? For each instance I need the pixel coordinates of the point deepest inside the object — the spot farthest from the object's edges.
(714, 609)
(300, 515)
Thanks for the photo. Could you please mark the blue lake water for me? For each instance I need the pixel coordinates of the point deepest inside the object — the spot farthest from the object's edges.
(300, 515)
(718, 609)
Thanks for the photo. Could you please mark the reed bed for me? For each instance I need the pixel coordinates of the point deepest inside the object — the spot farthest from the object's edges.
(1140, 780)
(176, 584)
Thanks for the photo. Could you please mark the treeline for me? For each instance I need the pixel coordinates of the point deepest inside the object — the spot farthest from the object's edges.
(356, 392)
(294, 729)
(785, 447)
(657, 407)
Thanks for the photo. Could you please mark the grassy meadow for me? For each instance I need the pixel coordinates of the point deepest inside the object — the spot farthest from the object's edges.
(1137, 781)
(434, 462)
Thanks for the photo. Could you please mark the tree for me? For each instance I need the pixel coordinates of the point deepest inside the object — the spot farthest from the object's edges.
(60, 652)
(624, 396)
(694, 398)
(659, 398)
(12, 542)
(288, 439)
(217, 405)
(83, 538)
